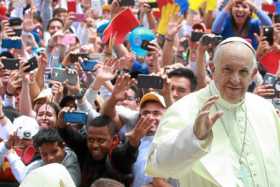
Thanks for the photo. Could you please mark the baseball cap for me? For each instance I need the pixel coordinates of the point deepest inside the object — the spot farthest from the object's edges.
(152, 96)
(25, 127)
(106, 7)
(44, 94)
(199, 26)
(137, 36)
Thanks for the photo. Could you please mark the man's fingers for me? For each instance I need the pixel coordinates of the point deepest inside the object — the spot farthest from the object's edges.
(145, 124)
(215, 117)
(202, 114)
(209, 103)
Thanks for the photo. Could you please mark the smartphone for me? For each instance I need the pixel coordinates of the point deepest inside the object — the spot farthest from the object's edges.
(75, 117)
(127, 2)
(10, 63)
(71, 6)
(268, 33)
(33, 64)
(185, 44)
(276, 103)
(161, 40)
(149, 81)
(214, 40)
(195, 36)
(153, 4)
(268, 7)
(11, 43)
(15, 21)
(61, 75)
(68, 39)
(277, 18)
(277, 86)
(79, 17)
(269, 79)
(88, 65)
(145, 45)
(74, 57)
(17, 32)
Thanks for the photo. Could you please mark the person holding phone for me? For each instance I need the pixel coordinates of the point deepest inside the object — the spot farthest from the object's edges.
(267, 54)
(236, 20)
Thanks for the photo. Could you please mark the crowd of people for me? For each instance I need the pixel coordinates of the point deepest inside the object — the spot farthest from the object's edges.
(190, 97)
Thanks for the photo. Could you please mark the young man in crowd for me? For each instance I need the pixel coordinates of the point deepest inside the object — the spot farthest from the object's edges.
(183, 81)
(152, 107)
(99, 153)
(51, 149)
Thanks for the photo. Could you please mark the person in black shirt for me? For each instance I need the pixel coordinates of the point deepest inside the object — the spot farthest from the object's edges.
(99, 153)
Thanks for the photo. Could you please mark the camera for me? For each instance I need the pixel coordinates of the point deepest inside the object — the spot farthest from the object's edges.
(195, 36)
(213, 40)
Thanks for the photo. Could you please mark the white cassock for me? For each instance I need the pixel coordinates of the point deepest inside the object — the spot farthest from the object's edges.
(243, 149)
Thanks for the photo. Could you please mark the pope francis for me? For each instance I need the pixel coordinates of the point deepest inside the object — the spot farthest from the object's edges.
(220, 135)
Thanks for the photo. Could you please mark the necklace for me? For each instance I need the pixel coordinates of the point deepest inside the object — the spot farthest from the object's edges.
(244, 135)
(244, 172)
(228, 134)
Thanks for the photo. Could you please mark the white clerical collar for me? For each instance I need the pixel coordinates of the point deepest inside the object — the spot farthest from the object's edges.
(223, 103)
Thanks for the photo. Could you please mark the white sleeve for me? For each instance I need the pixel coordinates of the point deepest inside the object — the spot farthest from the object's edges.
(184, 149)
(17, 166)
(6, 129)
(175, 148)
(85, 106)
(90, 95)
(19, 169)
(3, 151)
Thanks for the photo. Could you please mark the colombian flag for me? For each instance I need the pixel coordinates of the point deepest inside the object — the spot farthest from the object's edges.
(168, 8)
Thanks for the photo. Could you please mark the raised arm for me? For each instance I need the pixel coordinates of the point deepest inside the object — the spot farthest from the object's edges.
(222, 16)
(173, 28)
(122, 84)
(179, 142)
(264, 18)
(25, 103)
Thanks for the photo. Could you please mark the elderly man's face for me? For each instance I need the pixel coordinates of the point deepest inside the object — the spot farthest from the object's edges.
(234, 72)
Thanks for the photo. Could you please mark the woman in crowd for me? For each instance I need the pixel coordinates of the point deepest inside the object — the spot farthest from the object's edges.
(236, 19)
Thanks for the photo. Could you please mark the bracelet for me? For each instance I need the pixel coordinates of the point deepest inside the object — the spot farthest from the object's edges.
(9, 94)
(168, 39)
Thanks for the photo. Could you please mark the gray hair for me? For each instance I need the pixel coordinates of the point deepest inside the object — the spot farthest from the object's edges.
(238, 41)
